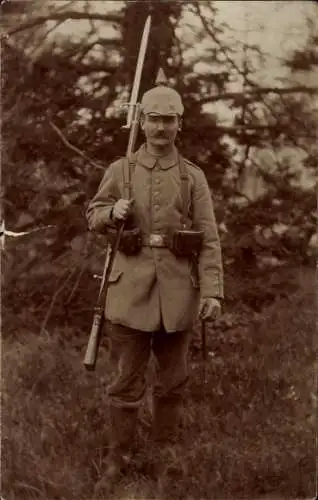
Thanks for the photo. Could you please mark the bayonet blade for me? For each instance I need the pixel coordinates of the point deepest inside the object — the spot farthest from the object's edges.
(138, 72)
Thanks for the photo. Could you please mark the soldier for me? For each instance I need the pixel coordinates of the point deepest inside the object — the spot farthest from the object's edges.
(167, 272)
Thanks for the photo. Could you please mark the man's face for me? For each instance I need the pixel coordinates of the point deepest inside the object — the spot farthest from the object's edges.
(160, 130)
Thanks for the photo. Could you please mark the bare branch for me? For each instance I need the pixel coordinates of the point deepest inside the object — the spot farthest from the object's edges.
(60, 8)
(259, 91)
(80, 67)
(74, 148)
(247, 126)
(212, 34)
(64, 16)
(79, 51)
(281, 129)
(41, 40)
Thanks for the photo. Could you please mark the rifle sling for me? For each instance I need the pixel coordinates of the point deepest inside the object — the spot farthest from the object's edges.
(184, 190)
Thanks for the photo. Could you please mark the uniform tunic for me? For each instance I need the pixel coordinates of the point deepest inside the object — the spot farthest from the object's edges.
(154, 287)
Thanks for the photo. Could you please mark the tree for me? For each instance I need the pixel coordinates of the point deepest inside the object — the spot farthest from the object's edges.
(62, 121)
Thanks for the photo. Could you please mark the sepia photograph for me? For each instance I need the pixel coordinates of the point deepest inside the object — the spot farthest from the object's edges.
(159, 249)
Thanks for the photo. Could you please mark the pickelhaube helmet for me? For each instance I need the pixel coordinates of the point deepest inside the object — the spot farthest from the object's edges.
(162, 99)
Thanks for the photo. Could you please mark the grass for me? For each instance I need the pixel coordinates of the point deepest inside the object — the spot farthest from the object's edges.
(248, 434)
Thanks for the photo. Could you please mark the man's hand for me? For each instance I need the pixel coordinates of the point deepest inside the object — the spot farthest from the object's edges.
(209, 308)
(122, 209)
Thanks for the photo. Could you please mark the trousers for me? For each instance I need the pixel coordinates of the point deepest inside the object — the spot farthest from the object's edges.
(129, 355)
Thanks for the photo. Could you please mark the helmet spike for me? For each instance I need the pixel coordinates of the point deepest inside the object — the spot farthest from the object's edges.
(161, 78)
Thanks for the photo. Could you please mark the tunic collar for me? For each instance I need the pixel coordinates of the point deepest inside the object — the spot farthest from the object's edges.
(149, 161)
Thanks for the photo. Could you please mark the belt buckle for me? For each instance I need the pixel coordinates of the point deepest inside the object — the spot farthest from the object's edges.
(156, 240)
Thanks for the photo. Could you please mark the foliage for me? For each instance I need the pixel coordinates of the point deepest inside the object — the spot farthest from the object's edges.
(248, 433)
(46, 183)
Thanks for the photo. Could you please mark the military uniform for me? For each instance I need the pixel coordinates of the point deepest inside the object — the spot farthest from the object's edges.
(153, 296)
(154, 286)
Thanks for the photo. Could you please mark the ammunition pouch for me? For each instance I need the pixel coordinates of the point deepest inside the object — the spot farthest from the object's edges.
(185, 242)
(130, 241)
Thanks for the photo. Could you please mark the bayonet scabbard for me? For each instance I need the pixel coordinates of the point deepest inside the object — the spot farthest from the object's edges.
(94, 340)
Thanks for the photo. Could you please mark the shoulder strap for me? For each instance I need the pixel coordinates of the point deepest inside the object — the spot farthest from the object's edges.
(128, 166)
(184, 190)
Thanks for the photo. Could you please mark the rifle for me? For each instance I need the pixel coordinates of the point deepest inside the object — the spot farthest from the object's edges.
(133, 124)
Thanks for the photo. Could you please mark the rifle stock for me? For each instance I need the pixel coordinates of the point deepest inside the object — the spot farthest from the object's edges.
(98, 319)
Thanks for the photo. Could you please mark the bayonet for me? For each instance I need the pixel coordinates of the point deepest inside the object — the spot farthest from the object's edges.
(139, 67)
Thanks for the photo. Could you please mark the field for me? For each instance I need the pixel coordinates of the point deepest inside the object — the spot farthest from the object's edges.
(250, 433)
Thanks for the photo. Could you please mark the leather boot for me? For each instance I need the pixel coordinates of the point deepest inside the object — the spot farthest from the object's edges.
(167, 414)
(166, 419)
(122, 433)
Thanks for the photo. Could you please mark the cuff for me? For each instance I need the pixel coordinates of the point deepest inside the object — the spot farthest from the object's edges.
(102, 219)
(212, 285)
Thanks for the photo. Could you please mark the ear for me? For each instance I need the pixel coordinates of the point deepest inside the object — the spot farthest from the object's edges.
(142, 122)
(180, 123)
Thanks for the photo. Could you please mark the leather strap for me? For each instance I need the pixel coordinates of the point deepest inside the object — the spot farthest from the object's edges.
(184, 191)
(128, 167)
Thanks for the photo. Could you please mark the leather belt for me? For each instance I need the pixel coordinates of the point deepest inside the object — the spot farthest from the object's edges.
(155, 241)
